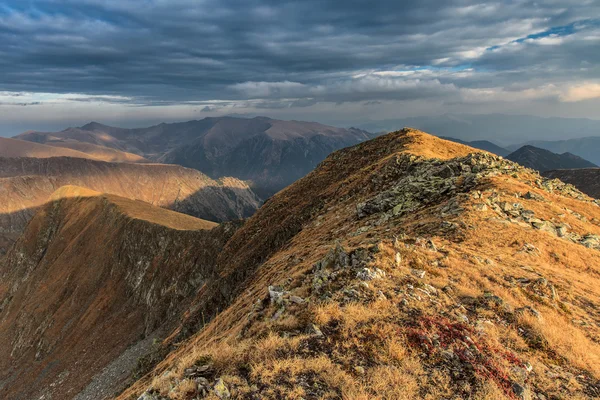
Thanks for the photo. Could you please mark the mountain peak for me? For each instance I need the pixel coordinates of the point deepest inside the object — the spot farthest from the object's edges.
(545, 160)
(93, 126)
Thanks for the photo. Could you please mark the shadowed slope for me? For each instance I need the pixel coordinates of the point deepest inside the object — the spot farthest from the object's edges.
(90, 277)
(585, 179)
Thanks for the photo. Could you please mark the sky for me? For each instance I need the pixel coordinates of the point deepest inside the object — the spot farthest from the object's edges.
(139, 62)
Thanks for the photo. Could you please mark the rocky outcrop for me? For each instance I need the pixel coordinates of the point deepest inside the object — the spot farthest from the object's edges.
(90, 277)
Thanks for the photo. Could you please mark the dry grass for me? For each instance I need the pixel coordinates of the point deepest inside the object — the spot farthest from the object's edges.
(466, 330)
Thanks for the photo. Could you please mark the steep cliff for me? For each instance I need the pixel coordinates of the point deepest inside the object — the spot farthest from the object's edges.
(92, 281)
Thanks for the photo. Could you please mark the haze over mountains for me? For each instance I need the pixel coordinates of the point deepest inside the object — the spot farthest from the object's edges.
(503, 129)
(269, 153)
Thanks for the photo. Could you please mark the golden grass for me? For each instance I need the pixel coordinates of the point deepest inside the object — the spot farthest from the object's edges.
(372, 348)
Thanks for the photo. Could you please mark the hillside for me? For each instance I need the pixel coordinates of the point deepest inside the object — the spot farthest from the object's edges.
(269, 153)
(92, 276)
(585, 179)
(21, 148)
(26, 184)
(97, 146)
(404, 267)
(544, 160)
(481, 145)
(585, 147)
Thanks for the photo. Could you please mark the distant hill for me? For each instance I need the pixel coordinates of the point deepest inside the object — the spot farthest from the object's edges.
(544, 160)
(585, 179)
(585, 147)
(482, 145)
(27, 183)
(269, 153)
(21, 148)
(94, 149)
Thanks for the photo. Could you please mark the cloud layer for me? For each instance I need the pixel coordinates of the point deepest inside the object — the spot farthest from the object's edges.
(254, 54)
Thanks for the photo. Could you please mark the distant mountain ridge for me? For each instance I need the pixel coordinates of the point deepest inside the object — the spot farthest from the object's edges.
(269, 153)
(482, 145)
(586, 147)
(545, 160)
(27, 183)
(506, 129)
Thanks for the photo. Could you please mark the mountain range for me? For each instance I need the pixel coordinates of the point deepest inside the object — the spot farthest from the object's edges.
(269, 154)
(504, 129)
(585, 147)
(545, 160)
(403, 267)
(27, 183)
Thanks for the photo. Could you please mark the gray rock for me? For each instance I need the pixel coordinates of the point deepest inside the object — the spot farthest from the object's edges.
(315, 330)
(366, 274)
(276, 294)
(221, 389)
(533, 196)
(522, 392)
(419, 273)
(296, 299)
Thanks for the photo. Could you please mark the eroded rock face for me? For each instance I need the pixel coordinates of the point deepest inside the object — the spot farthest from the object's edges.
(86, 281)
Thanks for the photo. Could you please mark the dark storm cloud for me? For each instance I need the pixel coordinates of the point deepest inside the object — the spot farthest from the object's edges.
(294, 53)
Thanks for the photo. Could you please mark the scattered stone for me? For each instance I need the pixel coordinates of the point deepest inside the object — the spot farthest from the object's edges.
(366, 274)
(315, 330)
(221, 389)
(296, 299)
(359, 370)
(561, 230)
(276, 294)
(480, 207)
(398, 259)
(522, 392)
(419, 273)
(533, 196)
(278, 313)
(149, 396)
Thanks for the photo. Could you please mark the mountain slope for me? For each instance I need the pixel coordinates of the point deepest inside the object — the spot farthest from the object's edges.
(585, 179)
(92, 275)
(404, 267)
(585, 147)
(544, 160)
(269, 153)
(482, 145)
(21, 148)
(26, 184)
(95, 147)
